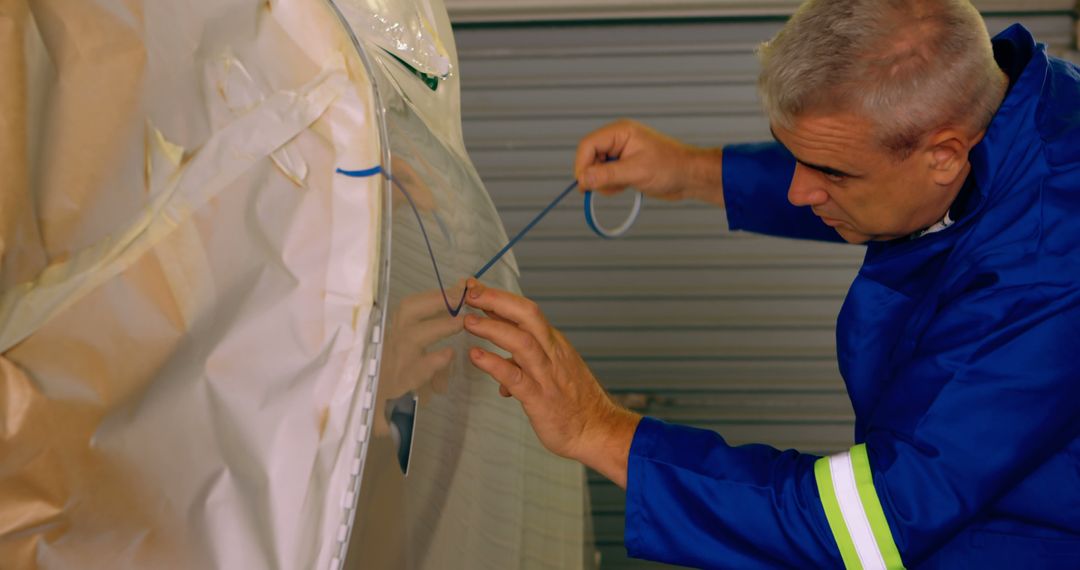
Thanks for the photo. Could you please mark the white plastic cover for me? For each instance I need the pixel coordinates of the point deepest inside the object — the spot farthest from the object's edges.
(192, 299)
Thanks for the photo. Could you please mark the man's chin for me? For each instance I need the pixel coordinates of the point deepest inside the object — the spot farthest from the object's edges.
(853, 237)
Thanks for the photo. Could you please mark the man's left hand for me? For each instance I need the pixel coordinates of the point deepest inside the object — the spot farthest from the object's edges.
(569, 410)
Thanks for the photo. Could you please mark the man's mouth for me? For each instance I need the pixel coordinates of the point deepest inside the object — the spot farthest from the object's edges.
(831, 222)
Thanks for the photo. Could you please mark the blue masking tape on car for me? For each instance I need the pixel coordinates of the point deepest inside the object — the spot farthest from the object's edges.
(590, 219)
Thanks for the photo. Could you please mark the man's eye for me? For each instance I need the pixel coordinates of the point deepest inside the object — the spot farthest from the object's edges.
(835, 177)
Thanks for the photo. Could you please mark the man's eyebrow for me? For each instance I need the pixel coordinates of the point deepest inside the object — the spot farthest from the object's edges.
(827, 170)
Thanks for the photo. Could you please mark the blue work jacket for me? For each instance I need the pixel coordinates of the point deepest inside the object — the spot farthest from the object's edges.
(961, 355)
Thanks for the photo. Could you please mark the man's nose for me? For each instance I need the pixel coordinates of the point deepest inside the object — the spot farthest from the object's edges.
(805, 189)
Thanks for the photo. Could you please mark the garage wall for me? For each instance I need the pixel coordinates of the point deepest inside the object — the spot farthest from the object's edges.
(682, 319)
(563, 10)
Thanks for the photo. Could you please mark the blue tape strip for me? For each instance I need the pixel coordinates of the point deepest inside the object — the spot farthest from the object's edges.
(452, 309)
(526, 229)
(588, 215)
(361, 173)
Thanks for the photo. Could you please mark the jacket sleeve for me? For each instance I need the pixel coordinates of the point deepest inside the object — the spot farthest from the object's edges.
(988, 399)
(756, 181)
(694, 500)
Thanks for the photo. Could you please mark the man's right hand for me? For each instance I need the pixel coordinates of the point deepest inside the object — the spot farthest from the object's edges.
(653, 163)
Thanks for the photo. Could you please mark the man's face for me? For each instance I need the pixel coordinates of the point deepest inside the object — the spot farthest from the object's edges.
(854, 186)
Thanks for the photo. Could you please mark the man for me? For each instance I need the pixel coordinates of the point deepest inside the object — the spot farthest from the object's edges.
(957, 161)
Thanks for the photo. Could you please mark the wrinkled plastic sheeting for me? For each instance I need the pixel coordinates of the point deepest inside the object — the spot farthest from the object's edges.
(191, 298)
(406, 29)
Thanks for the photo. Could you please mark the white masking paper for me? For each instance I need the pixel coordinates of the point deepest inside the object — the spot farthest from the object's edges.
(202, 323)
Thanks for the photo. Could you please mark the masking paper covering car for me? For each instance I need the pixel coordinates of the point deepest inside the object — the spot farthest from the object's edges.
(208, 333)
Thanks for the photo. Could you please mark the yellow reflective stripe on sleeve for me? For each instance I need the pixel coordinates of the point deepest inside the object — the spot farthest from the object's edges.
(832, 514)
(854, 512)
(864, 480)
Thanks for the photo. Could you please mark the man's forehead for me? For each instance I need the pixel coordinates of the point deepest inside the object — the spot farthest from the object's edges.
(833, 145)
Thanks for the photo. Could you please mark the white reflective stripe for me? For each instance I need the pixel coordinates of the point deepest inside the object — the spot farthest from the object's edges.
(847, 495)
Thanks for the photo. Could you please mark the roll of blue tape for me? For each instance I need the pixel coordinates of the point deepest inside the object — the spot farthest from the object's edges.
(598, 228)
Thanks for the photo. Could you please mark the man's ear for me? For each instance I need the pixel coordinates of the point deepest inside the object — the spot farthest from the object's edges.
(947, 154)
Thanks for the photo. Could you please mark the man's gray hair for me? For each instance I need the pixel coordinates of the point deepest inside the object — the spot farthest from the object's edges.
(909, 66)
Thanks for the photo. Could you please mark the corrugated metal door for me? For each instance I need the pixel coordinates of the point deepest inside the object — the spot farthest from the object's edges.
(682, 319)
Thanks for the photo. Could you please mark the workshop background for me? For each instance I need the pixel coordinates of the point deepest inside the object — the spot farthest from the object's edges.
(681, 319)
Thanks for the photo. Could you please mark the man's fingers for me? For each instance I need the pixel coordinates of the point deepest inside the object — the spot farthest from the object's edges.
(525, 348)
(608, 177)
(612, 190)
(503, 391)
(614, 177)
(510, 377)
(596, 146)
(513, 308)
(495, 316)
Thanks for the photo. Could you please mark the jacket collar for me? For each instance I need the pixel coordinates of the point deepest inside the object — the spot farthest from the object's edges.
(1011, 142)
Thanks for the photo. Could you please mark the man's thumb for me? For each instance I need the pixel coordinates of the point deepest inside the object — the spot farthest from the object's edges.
(605, 177)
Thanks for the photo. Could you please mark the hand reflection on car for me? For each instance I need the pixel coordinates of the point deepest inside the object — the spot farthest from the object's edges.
(413, 365)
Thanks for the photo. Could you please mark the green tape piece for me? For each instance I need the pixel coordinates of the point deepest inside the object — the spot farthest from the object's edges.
(832, 513)
(864, 481)
(431, 81)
